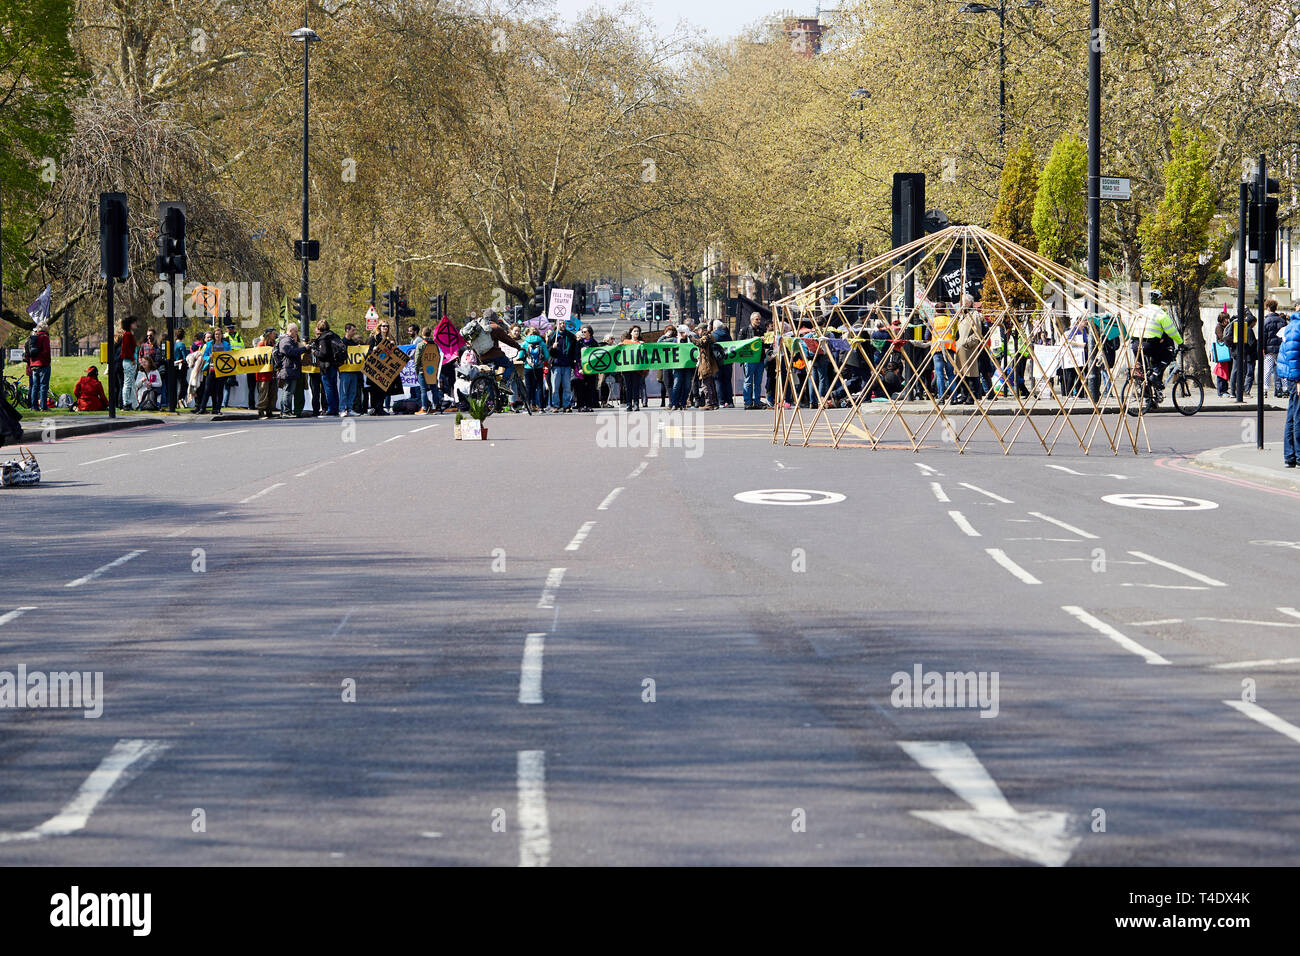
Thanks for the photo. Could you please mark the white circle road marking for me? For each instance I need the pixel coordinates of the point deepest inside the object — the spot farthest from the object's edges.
(1160, 502)
(789, 496)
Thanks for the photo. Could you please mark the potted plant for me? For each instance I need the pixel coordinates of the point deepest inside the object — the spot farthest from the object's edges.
(479, 410)
(456, 425)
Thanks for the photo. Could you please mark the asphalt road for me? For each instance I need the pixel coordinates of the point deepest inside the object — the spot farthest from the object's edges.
(501, 607)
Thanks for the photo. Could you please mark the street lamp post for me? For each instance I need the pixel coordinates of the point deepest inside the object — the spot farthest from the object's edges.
(861, 95)
(1001, 11)
(306, 36)
(1094, 146)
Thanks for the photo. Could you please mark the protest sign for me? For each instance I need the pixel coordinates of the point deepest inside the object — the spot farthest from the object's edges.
(384, 364)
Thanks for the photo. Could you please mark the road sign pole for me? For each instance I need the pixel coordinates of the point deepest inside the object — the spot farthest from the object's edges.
(1262, 198)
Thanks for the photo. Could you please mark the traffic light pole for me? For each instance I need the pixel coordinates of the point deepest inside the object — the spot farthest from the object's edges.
(1261, 197)
(306, 103)
(1239, 329)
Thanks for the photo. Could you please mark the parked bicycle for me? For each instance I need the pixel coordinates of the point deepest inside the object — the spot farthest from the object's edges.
(15, 391)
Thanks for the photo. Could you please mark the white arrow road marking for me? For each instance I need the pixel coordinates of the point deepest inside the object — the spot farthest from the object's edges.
(1123, 640)
(1194, 575)
(1081, 474)
(926, 469)
(124, 761)
(530, 671)
(939, 492)
(1000, 556)
(1290, 610)
(14, 614)
(1061, 524)
(1267, 718)
(1040, 836)
(108, 567)
(534, 827)
(1005, 501)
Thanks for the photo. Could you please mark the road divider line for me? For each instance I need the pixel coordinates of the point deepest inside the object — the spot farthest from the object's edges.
(1005, 501)
(304, 474)
(960, 520)
(124, 761)
(1194, 575)
(14, 615)
(394, 438)
(1061, 524)
(161, 447)
(237, 431)
(264, 491)
(1068, 471)
(1242, 620)
(609, 500)
(1163, 620)
(423, 428)
(581, 536)
(530, 671)
(1000, 556)
(129, 556)
(109, 458)
(534, 827)
(1266, 717)
(939, 492)
(926, 469)
(553, 579)
(638, 469)
(1123, 640)
(342, 624)
(1243, 665)
(1166, 587)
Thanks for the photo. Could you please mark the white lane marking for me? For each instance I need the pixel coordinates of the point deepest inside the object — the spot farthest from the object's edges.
(1194, 575)
(581, 536)
(394, 438)
(534, 828)
(926, 469)
(342, 624)
(1041, 836)
(130, 555)
(423, 428)
(780, 465)
(960, 520)
(530, 671)
(109, 458)
(553, 579)
(1163, 620)
(1069, 471)
(939, 492)
(1041, 538)
(1167, 587)
(1000, 556)
(1238, 620)
(1267, 718)
(654, 450)
(180, 531)
(15, 614)
(609, 500)
(1005, 501)
(1242, 665)
(264, 491)
(1061, 524)
(1123, 640)
(351, 453)
(1290, 611)
(161, 447)
(124, 761)
(237, 431)
(304, 474)
(638, 469)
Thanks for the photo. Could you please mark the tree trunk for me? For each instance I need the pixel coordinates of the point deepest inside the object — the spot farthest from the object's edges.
(1188, 304)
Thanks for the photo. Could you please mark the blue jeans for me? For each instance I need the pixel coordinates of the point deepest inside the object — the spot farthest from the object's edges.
(753, 388)
(683, 381)
(942, 374)
(39, 389)
(349, 382)
(1291, 437)
(329, 380)
(128, 384)
(561, 387)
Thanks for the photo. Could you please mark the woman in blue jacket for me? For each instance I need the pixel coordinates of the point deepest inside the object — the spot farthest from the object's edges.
(1288, 368)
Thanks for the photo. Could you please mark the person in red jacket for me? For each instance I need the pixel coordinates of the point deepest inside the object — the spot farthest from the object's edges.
(90, 393)
(38, 366)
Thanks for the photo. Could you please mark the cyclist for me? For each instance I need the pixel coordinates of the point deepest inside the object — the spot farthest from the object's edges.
(1155, 337)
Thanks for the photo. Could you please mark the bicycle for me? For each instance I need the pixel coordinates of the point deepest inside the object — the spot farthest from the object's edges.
(1145, 392)
(493, 387)
(16, 393)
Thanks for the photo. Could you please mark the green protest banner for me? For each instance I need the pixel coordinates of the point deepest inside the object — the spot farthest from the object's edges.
(656, 355)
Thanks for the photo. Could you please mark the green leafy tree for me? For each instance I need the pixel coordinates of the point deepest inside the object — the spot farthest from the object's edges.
(1177, 237)
(1013, 219)
(38, 74)
(1061, 206)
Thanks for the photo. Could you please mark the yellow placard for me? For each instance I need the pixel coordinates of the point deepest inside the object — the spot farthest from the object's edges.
(356, 358)
(241, 361)
(103, 352)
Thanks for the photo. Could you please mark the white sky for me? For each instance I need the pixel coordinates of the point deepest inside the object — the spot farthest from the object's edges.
(720, 19)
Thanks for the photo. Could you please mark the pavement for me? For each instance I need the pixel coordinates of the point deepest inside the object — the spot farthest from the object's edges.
(634, 639)
(1250, 461)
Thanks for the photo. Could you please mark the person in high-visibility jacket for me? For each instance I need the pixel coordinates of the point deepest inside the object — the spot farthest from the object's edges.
(1154, 335)
(943, 345)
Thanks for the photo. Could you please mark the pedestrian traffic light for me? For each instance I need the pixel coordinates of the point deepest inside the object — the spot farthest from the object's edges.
(1268, 199)
(171, 239)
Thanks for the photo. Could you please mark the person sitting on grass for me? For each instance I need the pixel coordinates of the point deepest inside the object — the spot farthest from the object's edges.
(90, 392)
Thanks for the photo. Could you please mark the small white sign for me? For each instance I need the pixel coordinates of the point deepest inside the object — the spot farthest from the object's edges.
(1113, 187)
(15, 355)
(561, 305)
(372, 319)
(471, 429)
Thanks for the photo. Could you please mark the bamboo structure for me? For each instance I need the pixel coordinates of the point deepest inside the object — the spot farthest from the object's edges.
(824, 331)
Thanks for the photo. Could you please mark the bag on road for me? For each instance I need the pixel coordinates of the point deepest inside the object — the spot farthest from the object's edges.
(23, 470)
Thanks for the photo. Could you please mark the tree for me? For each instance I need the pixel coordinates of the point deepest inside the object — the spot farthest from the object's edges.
(1013, 219)
(1176, 238)
(1061, 206)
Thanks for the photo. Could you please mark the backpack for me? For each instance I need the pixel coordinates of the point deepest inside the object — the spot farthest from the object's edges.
(533, 356)
(478, 334)
(338, 352)
(32, 350)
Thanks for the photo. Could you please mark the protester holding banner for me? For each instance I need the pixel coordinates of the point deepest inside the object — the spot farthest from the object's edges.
(37, 353)
(565, 353)
(535, 354)
(633, 382)
(379, 397)
(350, 384)
(213, 387)
(265, 377)
(328, 352)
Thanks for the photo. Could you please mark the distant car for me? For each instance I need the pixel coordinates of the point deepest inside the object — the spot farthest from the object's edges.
(605, 309)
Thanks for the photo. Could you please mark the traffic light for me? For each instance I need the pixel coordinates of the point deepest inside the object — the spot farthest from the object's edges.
(434, 300)
(404, 311)
(580, 298)
(114, 261)
(297, 311)
(390, 303)
(538, 304)
(171, 239)
(1269, 201)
